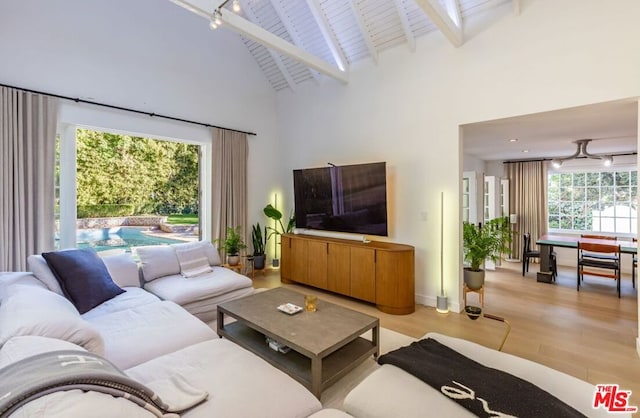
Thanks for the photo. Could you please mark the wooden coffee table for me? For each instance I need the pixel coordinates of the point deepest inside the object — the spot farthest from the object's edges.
(325, 345)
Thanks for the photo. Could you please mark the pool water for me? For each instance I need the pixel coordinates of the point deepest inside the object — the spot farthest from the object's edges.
(104, 239)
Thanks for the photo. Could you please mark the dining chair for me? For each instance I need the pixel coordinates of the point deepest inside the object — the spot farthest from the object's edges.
(528, 253)
(612, 262)
(597, 255)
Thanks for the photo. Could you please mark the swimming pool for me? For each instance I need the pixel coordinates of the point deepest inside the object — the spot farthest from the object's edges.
(104, 239)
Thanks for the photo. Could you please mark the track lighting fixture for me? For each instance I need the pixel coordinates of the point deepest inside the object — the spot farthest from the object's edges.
(216, 16)
(581, 152)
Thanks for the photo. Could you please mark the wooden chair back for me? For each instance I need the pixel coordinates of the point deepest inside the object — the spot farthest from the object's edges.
(602, 264)
(609, 237)
(598, 248)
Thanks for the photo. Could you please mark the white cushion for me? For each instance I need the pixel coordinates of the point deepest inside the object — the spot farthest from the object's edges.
(8, 279)
(157, 261)
(30, 310)
(193, 261)
(123, 269)
(136, 335)
(131, 298)
(18, 348)
(229, 373)
(209, 249)
(207, 309)
(181, 290)
(39, 267)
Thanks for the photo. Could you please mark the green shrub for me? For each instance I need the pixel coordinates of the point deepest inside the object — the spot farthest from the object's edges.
(105, 211)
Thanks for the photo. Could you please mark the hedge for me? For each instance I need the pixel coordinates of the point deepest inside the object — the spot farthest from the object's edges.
(105, 211)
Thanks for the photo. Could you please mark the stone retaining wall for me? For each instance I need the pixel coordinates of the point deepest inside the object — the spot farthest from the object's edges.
(91, 223)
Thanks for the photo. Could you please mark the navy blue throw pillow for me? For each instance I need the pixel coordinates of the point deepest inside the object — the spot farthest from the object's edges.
(83, 276)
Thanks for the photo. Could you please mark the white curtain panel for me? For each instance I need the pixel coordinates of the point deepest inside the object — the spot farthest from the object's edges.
(528, 198)
(229, 194)
(27, 159)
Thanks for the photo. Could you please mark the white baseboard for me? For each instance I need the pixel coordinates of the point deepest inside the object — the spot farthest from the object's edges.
(454, 306)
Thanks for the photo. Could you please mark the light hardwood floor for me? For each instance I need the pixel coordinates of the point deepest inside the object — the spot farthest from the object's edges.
(589, 334)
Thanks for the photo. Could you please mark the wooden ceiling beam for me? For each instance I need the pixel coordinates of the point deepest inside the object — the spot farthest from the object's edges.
(328, 34)
(406, 26)
(363, 30)
(262, 36)
(286, 21)
(274, 56)
(453, 10)
(443, 22)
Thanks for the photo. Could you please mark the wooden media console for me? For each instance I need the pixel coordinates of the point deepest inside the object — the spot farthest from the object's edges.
(376, 272)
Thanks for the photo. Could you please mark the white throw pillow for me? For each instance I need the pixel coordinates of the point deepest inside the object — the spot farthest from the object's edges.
(193, 261)
(18, 348)
(209, 249)
(158, 261)
(30, 310)
(39, 267)
(123, 270)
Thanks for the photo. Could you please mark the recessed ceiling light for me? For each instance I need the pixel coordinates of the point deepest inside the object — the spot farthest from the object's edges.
(525, 150)
(513, 140)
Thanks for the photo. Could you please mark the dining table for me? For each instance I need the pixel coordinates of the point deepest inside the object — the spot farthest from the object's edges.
(548, 241)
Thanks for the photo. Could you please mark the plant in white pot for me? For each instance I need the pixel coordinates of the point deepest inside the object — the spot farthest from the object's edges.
(232, 245)
(479, 243)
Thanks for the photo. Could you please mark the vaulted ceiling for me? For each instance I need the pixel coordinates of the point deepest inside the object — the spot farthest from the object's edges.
(294, 41)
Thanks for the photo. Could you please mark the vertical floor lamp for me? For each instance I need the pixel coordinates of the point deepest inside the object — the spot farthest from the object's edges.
(442, 304)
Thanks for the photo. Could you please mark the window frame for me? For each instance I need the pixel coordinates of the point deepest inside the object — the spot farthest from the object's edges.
(66, 134)
(591, 168)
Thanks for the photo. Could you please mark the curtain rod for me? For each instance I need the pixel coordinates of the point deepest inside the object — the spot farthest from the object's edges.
(531, 160)
(141, 112)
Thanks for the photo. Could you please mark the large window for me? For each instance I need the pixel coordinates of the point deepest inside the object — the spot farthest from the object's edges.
(593, 201)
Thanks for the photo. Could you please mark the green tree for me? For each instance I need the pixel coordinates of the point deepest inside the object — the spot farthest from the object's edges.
(152, 175)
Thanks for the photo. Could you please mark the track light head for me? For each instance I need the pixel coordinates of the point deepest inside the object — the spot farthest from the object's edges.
(236, 6)
(607, 160)
(556, 163)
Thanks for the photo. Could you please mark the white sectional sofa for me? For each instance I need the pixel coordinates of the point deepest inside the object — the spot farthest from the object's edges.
(160, 271)
(151, 339)
(392, 392)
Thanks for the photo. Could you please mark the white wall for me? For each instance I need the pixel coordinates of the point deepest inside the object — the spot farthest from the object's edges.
(407, 110)
(148, 55)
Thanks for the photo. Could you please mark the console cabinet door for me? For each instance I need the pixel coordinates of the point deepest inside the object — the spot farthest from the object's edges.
(395, 283)
(363, 274)
(339, 269)
(285, 255)
(299, 263)
(317, 263)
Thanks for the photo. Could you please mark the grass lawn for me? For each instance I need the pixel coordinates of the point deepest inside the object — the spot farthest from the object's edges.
(190, 219)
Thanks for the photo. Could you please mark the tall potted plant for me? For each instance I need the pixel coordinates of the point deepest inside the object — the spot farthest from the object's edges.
(479, 243)
(232, 245)
(259, 241)
(280, 229)
(502, 228)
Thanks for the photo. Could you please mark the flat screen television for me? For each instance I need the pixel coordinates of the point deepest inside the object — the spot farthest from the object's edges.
(348, 198)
